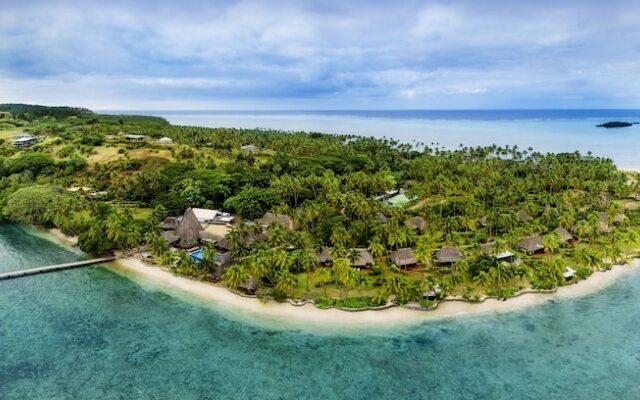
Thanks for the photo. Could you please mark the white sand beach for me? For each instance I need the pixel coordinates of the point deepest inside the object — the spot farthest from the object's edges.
(394, 316)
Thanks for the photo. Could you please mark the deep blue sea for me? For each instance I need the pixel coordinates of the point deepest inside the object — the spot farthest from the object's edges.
(92, 334)
(543, 130)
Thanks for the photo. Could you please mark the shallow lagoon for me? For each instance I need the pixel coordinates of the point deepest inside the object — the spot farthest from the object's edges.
(89, 333)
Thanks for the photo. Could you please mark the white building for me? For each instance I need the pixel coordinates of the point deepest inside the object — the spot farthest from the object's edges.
(165, 140)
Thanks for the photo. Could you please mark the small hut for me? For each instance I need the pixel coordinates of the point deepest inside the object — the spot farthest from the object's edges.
(365, 259)
(568, 273)
(448, 255)
(532, 244)
(165, 140)
(403, 258)
(619, 219)
(284, 220)
(631, 206)
(487, 249)
(483, 221)
(189, 229)
(170, 237)
(381, 217)
(523, 216)
(250, 286)
(418, 223)
(564, 234)
(169, 224)
(324, 257)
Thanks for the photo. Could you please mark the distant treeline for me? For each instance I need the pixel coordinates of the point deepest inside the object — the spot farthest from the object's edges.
(25, 111)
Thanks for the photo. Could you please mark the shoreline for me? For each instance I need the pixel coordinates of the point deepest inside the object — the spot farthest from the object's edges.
(303, 315)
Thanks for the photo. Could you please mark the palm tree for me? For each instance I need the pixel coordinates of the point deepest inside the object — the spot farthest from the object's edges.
(398, 285)
(286, 281)
(234, 276)
(324, 277)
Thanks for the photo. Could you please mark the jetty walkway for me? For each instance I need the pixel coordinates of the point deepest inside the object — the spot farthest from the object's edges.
(52, 268)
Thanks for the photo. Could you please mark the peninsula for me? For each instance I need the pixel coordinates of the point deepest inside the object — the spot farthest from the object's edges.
(340, 221)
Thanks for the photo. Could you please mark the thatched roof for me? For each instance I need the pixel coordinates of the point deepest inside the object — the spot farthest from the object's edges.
(284, 220)
(324, 256)
(487, 248)
(206, 235)
(605, 229)
(631, 206)
(619, 218)
(189, 229)
(448, 255)
(531, 244)
(169, 223)
(381, 217)
(482, 221)
(170, 237)
(224, 259)
(523, 216)
(403, 257)
(418, 223)
(564, 234)
(250, 286)
(364, 260)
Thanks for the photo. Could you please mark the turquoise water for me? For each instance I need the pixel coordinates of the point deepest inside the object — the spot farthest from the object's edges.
(543, 130)
(91, 334)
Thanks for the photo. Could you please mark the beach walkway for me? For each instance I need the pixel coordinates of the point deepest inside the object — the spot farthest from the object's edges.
(52, 268)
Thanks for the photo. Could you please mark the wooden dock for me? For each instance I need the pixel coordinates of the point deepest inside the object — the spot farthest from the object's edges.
(52, 268)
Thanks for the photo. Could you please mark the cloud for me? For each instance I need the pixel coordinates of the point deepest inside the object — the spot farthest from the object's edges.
(321, 54)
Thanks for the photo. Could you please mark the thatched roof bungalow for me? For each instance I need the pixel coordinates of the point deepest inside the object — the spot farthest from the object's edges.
(250, 286)
(448, 255)
(365, 259)
(403, 258)
(619, 219)
(523, 216)
(631, 206)
(532, 244)
(418, 223)
(324, 256)
(564, 234)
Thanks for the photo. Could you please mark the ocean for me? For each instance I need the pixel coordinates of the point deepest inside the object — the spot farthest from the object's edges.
(89, 333)
(543, 130)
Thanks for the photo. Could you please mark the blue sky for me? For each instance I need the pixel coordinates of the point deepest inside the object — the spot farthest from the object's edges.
(146, 54)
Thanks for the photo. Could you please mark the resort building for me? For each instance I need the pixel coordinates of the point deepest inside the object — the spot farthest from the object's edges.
(488, 249)
(204, 214)
(532, 244)
(523, 216)
(24, 141)
(403, 258)
(448, 255)
(564, 235)
(364, 260)
(134, 138)
(400, 199)
(165, 140)
(324, 257)
(249, 148)
(418, 223)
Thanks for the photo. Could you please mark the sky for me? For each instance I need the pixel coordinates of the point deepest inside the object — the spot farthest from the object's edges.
(219, 55)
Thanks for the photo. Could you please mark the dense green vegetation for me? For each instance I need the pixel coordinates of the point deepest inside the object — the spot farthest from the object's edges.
(327, 184)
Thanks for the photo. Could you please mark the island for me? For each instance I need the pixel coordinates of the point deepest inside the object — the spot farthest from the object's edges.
(616, 124)
(339, 221)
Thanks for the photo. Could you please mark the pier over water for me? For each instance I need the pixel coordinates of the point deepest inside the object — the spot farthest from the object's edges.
(56, 267)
